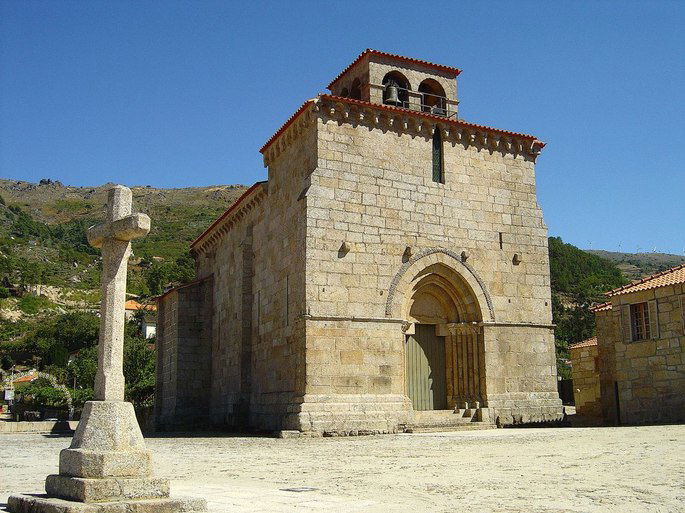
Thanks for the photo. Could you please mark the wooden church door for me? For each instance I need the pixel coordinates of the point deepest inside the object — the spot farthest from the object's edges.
(425, 369)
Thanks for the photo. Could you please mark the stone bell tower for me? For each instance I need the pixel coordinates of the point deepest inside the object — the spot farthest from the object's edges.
(382, 78)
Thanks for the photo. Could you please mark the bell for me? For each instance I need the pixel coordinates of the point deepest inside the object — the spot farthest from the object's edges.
(391, 96)
(437, 109)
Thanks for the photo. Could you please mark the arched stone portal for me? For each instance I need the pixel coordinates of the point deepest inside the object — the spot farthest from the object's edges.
(444, 344)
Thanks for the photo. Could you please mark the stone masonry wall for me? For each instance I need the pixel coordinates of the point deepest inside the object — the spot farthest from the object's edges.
(183, 357)
(258, 272)
(372, 188)
(586, 388)
(650, 373)
(608, 326)
(279, 287)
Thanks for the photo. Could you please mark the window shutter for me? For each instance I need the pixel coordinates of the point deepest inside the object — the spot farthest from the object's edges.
(626, 324)
(653, 319)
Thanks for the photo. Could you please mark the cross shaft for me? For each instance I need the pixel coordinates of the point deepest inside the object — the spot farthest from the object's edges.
(114, 238)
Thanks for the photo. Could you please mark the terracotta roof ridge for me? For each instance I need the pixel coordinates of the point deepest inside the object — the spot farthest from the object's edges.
(371, 51)
(645, 279)
(287, 123)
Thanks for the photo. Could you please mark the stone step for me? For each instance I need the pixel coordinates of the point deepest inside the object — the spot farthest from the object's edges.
(45, 504)
(449, 420)
(472, 426)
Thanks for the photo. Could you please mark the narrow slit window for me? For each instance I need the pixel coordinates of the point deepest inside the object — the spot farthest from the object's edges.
(287, 301)
(438, 171)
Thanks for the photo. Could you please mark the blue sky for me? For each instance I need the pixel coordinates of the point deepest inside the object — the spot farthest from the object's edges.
(185, 93)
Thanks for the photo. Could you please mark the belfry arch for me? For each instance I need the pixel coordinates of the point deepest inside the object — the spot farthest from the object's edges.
(443, 305)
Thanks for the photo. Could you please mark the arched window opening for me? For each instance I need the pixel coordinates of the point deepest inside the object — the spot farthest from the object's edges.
(356, 90)
(433, 98)
(438, 161)
(396, 89)
(344, 93)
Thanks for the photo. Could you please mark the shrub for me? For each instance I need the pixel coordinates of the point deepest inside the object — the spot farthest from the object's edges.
(34, 304)
(80, 396)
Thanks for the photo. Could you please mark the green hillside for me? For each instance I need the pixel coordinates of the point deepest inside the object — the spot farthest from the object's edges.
(638, 265)
(579, 279)
(42, 233)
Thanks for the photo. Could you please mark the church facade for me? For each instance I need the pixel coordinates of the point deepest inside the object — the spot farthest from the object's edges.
(394, 263)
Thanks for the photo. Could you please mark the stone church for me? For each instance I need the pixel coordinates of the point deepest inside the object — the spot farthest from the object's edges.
(392, 271)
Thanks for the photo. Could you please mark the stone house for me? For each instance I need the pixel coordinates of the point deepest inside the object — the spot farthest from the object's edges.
(640, 344)
(585, 373)
(394, 262)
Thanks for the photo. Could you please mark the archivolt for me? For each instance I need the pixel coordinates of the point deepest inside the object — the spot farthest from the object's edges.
(451, 260)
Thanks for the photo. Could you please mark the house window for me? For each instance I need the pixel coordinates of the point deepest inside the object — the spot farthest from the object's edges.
(438, 173)
(639, 319)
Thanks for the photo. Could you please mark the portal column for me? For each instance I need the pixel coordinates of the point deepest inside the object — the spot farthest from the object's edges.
(466, 337)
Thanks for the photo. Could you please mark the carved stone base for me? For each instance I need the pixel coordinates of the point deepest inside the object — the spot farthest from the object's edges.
(106, 489)
(45, 504)
(107, 469)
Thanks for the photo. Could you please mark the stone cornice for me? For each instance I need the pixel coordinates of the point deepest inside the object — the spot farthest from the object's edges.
(234, 215)
(423, 123)
(347, 110)
(288, 133)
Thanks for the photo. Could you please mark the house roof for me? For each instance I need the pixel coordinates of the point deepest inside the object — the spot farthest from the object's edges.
(585, 343)
(26, 379)
(132, 304)
(672, 276)
(369, 51)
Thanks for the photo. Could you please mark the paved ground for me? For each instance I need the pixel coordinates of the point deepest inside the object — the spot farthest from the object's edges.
(524, 470)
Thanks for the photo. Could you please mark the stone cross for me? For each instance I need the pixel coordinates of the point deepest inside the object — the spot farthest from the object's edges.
(114, 237)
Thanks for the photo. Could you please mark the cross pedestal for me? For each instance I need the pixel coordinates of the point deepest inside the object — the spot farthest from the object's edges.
(107, 468)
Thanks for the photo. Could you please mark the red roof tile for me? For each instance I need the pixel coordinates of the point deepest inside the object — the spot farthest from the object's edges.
(601, 307)
(369, 51)
(132, 304)
(673, 276)
(585, 343)
(26, 379)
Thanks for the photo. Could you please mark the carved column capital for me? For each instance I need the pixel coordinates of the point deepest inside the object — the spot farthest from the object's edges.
(465, 328)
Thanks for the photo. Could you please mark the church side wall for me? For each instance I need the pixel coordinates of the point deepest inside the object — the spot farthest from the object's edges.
(373, 189)
(226, 263)
(258, 271)
(279, 287)
(183, 357)
(167, 338)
